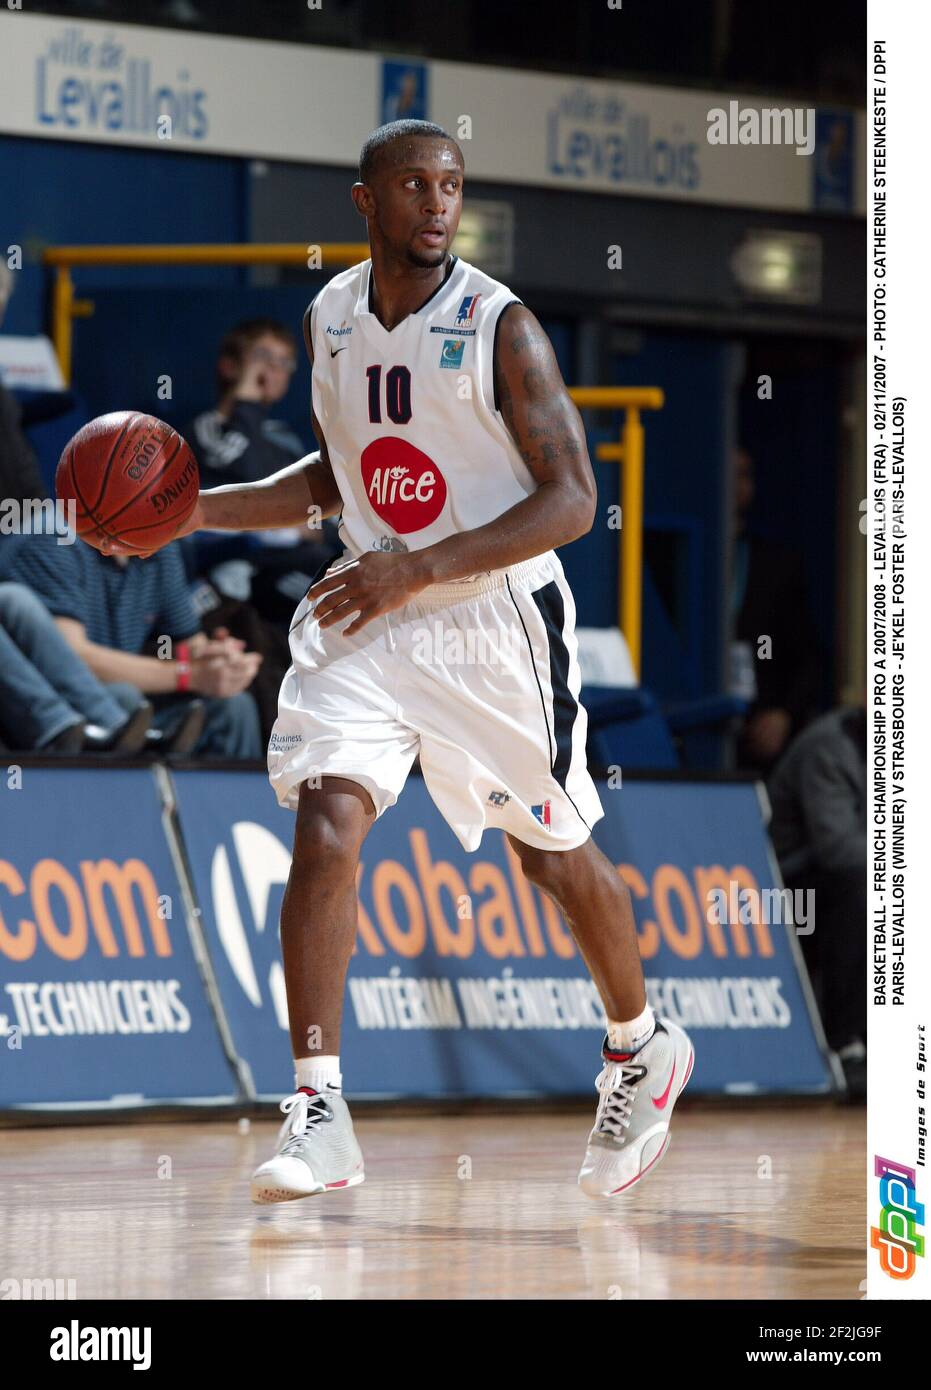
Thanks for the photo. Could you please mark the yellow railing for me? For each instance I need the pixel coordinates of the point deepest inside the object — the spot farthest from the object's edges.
(66, 308)
(628, 452)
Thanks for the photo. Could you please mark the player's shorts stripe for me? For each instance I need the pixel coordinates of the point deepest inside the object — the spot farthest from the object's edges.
(552, 610)
(565, 707)
(533, 667)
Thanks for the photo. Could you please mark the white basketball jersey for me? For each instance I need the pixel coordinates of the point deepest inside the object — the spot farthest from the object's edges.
(415, 437)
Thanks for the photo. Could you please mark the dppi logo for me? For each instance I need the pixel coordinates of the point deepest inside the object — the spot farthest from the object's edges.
(261, 863)
(896, 1237)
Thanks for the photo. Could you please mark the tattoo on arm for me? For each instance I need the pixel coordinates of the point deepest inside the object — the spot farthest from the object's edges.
(534, 402)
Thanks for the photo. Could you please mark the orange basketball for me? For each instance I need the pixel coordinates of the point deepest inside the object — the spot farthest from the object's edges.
(132, 479)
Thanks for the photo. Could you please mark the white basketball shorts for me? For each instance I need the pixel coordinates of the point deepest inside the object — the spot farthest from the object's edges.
(479, 678)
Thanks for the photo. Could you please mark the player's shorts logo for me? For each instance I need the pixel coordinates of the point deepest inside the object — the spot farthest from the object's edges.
(498, 799)
(403, 486)
(542, 814)
(284, 743)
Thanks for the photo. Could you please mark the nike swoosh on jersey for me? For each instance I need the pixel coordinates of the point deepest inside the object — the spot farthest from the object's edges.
(334, 352)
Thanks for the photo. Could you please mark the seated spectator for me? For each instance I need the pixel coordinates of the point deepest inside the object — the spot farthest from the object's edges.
(239, 441)
(819, 800)
(107, 607)
(19, 472)
(769, 599)
(49, 699)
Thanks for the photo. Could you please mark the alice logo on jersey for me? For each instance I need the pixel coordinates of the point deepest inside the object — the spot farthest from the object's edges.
(404, 487)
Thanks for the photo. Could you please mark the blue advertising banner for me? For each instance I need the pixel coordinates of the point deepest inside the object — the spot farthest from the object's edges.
(101, 999)
(465, 980)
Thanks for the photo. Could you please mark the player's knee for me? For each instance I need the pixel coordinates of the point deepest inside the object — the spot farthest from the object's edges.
(547, 868)
(326, 844)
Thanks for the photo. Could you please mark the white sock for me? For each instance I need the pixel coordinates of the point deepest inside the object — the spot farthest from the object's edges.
(317, 1073)
(628, 1037)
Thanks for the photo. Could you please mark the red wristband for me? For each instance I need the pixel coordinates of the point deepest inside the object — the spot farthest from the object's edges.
(183, 667)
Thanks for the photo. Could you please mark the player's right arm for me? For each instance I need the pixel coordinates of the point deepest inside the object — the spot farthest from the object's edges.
(305, 490)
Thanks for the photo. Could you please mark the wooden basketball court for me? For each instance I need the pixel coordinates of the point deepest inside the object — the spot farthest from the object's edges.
(473, 1206)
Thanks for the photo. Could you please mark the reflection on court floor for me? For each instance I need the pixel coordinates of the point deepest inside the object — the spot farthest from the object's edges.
(752, 1203)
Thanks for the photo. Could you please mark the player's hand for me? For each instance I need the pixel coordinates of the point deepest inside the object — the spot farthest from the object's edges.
(372, 585)
(107, 547)
(194, 522)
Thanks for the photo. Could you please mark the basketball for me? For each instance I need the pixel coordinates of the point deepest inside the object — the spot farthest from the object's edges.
(132, 480)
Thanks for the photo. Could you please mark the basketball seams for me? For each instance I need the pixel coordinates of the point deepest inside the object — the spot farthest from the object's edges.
(133, 417)
(88, 523)
(153, 525)
(141, 496)
(69, 471)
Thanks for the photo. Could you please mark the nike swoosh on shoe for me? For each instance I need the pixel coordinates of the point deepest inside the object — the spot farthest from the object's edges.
(660, 1101)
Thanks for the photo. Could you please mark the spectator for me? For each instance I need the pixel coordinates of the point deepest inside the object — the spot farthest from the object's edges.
(107, 607)
(769, 599)
(240, 442)
(819, 800)
(49, 699)
(20, 478)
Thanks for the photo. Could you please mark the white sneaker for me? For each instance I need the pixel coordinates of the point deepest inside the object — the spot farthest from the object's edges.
(637, 1092)
(317, 1150)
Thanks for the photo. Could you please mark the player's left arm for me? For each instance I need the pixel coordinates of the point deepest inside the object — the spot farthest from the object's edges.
(550, 436)
(547, 429)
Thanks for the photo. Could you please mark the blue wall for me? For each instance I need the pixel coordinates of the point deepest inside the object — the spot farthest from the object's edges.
(795, 443)
(685, 452)
(74, 193)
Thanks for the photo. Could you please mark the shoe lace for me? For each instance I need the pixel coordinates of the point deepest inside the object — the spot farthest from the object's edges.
(617, 1084)
(304, 1114)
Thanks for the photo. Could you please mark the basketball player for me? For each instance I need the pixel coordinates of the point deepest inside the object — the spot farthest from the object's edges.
(452, 450)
